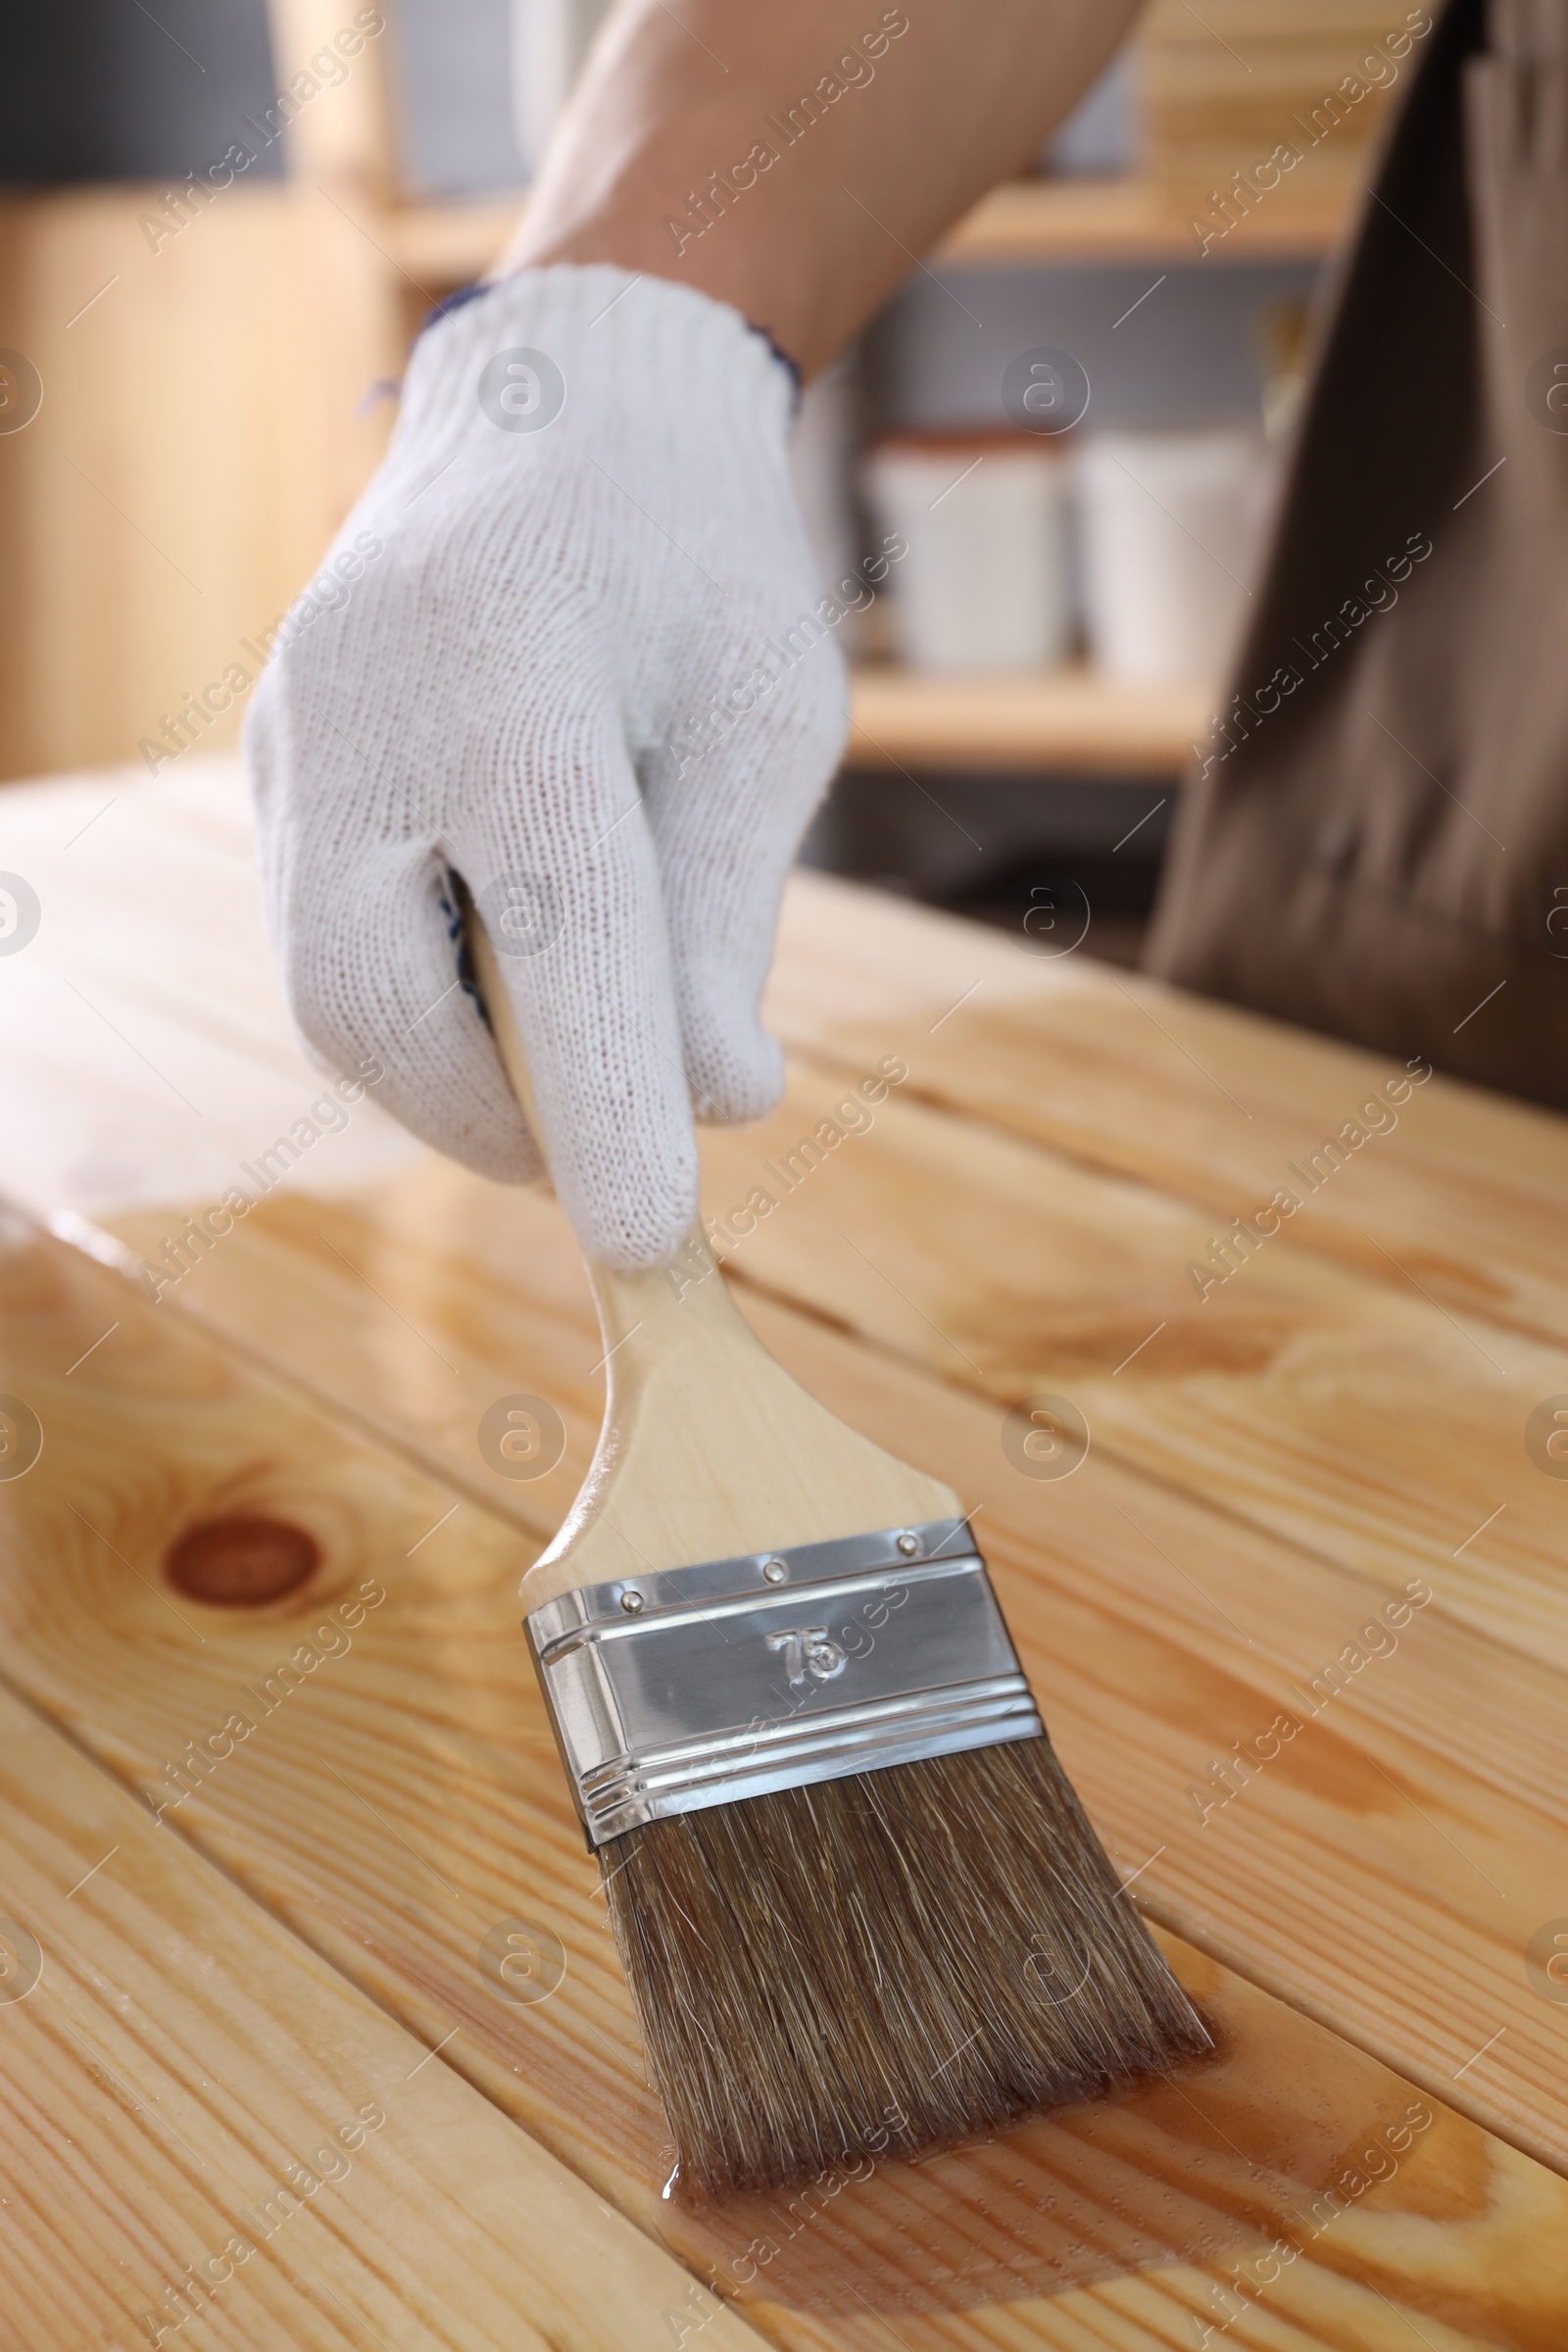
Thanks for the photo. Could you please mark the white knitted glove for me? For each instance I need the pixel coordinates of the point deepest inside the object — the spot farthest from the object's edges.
(583, 537)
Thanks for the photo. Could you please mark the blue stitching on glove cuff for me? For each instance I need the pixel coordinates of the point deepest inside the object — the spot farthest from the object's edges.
(790, 366)
(455, 301)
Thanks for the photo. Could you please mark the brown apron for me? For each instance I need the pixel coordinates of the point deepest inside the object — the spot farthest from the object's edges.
(1378, 842)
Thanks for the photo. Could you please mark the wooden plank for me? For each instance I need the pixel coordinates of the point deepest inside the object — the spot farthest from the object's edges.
(403, 1801)
(1069, 717)
(1198, 1098)
(205, 2126)
(1138, 218)
(1391, 1423)
(1353, 23)
(1352, 1416)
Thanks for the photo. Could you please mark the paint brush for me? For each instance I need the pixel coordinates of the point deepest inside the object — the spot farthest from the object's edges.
(858, 1903)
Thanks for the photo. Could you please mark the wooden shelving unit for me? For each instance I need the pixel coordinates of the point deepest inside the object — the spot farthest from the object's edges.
(440, 246)
(1068, 718)
(336, 264)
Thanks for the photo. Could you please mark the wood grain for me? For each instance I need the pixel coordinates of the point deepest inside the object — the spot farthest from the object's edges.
(1384, 1872)
(1354, 1415)
(1200, 1100)
(402, 1801)
(1360, 1418)
(206, 2127)
(1158, 1631)
(417, 1305)
(154, 912)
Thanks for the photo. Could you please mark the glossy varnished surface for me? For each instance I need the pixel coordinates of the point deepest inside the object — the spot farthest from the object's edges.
(397, 1803)
(1359, 1914)
(1159, 1631)
(206, 2127)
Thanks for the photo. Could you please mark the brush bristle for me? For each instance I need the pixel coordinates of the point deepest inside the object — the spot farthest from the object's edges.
(883, 1964)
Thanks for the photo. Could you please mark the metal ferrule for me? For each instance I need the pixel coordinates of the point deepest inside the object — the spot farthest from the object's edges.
(699, 1685)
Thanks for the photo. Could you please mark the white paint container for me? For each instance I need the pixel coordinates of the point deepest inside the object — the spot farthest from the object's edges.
(986, 585)
(1168, 526)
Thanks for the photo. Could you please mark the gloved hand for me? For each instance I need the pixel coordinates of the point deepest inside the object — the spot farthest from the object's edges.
(588, 540)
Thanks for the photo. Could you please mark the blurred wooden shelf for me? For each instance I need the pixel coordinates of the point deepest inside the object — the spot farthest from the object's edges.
(1136, 219)
(1068, 718)
(443, 245)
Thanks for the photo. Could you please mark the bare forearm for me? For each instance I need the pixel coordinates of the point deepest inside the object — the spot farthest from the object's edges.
(794, 159)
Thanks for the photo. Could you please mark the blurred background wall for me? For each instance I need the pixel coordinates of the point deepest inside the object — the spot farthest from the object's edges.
(221, 224)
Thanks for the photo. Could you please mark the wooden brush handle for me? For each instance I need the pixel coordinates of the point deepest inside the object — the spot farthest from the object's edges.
(640, 1314)
(709, 1449)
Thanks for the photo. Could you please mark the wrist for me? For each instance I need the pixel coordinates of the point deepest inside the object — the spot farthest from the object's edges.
(670, 166)
(761, 285)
